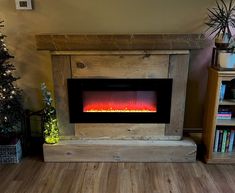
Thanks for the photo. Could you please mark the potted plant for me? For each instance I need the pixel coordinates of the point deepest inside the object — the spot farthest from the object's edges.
(11, 110)
(221, 20)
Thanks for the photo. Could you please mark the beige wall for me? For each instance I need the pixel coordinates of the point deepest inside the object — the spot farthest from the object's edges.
(100, 16)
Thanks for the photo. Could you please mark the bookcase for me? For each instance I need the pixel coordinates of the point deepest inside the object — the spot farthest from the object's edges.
(219, 117)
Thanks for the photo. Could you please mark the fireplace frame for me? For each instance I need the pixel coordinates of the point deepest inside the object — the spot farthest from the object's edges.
(121, 65)
(163, 88)
(121, 56)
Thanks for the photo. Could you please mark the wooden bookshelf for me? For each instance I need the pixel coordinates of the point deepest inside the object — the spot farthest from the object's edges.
(212, 105)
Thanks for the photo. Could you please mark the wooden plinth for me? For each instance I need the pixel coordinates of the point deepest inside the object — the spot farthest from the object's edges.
(120, 151)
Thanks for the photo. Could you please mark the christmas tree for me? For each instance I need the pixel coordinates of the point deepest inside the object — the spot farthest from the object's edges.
(10, 96)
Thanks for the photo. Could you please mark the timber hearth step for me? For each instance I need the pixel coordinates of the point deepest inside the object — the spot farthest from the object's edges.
(121, 151)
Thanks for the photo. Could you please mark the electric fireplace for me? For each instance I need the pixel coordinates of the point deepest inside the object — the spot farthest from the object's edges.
(119, 100)
(120, 97)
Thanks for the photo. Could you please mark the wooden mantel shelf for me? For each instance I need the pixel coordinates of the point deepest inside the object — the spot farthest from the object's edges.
(54, 42)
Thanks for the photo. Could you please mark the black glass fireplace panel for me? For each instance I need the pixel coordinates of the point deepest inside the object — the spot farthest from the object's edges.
(119, 100)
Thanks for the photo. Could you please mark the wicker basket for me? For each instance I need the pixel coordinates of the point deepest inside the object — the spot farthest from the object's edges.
(10, 153)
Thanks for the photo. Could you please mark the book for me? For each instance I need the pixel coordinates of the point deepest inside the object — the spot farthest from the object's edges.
(224, 141)
(231, 141)
(222, 91)
(220, 140)
(224, 110)
(216, 142)
(219, 117)
(227, 141)
(224, 118)
(224, 113)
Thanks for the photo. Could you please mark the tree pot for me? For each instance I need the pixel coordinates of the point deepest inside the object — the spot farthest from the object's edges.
(10, 153)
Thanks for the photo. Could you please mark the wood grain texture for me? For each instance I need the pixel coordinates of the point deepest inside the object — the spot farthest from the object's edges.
(120, 52)
(34, 176)
(61, 71)
(120, 151)
(119, 131)
(56, 42)
(178, 70)
(120, 66)
(123, 65)
(211, 107)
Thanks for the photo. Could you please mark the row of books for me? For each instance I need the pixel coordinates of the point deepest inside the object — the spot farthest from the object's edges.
(224, 140)
(224, 113)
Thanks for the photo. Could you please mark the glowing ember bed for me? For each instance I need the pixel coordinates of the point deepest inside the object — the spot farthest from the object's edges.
(120, 101)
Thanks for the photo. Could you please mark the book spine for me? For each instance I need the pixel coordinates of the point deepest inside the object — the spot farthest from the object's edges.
(231, 141)
(224, 141)
(220, 140)
(222, 91)
(227, 140)
(224, 118)
(224, 114)
(216, 140)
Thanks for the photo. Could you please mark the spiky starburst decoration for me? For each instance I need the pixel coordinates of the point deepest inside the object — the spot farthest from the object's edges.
(221, 18)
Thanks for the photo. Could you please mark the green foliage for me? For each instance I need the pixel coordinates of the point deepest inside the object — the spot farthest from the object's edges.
(221, 18)
(51, 131)
(10, 96)
(50, 123)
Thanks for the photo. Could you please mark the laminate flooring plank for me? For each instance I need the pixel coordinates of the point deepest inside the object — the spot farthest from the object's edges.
(32, 175)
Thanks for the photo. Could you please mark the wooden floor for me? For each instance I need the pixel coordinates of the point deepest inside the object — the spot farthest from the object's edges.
(33, 175)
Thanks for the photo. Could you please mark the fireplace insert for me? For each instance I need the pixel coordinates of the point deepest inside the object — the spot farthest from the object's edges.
(119, 100)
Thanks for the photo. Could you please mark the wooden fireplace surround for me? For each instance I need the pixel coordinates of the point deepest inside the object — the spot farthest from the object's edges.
(120, 56)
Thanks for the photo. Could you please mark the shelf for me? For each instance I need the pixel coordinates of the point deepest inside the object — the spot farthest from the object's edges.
(211, 123)
(230, 122)
(223, 158)
(227, 102)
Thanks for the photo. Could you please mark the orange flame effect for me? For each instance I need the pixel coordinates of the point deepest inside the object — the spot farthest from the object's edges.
(120, 107)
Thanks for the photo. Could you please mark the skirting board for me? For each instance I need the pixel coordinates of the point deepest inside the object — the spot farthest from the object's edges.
(120, 151)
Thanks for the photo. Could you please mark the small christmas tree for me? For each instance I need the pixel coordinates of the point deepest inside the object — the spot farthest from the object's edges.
(51, 130)
(10, 96)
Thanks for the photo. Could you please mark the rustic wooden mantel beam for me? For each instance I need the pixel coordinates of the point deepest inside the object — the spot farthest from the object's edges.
(53, 42)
